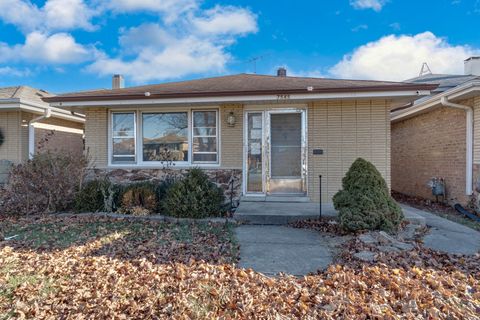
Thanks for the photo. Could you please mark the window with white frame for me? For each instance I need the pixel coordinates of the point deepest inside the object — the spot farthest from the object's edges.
(205, 136)
(123, 137)
(182, 137)
(165, 136)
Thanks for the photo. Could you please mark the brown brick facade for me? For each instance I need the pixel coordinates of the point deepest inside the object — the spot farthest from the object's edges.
(343, 129)
(430, 145)
(60, 137)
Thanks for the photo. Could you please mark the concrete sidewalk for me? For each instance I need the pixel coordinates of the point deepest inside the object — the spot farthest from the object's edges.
(272, 249)
(446, 235)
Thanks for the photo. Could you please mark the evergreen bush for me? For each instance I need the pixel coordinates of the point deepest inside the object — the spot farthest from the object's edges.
(365, 202)
(99, 195)
(194, 196)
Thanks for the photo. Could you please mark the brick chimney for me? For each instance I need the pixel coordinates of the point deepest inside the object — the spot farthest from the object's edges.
(118, 82)
(472, 66)
(281, 72)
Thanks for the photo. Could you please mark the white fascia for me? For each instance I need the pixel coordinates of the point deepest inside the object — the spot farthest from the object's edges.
(454, 93)
(252, 98)
(29, 106)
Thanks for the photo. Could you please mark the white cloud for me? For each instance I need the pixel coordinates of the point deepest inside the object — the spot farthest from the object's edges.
(187, 56)
(375, 5)
(59, 48)
(395, 26)
(226, 20)
(171, 9)
(16, 12)
(400, 57)
(360, 27)
(187, 39)
(196, 43)
(68, 14)
(54, 15)
(14, 72)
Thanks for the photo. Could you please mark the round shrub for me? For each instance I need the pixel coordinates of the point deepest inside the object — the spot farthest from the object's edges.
(140, 198)
(194, 196)
(99, 195)
(365, 201)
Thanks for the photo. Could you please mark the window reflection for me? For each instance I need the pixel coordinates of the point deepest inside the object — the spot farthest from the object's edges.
(165, 136)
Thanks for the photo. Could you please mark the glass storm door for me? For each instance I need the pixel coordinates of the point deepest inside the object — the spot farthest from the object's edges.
(286, 138)
(254, 153)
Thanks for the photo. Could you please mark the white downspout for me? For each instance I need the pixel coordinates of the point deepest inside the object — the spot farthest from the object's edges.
(31, 131)
(469, 138)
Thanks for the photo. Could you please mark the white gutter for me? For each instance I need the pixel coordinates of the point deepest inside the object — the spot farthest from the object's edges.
(469, 140)
(285, 98)
(29, 106)
(454, 93)
(31, 131)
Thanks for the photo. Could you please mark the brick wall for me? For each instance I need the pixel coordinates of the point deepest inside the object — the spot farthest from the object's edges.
(96, 126)
(346, 130)
(430, 145)
(10, 124)
(57, 132)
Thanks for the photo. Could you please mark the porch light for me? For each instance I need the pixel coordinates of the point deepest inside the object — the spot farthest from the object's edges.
(231, 119)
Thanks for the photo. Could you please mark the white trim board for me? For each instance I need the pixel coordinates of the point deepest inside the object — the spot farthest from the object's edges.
(246, 99)
(435, 101)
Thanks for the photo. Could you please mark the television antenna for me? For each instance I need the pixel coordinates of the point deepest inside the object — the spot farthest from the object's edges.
(254, 60)
(425, 70)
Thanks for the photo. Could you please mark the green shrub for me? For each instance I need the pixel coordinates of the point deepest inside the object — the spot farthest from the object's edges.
(140, 198)
(365, 201)
(194, 196)
(99, 195)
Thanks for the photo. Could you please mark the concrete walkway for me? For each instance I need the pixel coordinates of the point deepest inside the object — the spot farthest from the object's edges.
(272, 249)
(446, 235)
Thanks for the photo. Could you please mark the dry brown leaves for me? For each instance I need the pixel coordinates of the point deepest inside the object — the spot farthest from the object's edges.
(73, 283)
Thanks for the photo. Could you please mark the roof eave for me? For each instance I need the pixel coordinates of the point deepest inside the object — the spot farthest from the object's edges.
(16, 104)
(435, 101)
(142, 96)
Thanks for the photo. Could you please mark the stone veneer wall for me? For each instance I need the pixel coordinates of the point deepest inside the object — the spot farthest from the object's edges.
(221, 177)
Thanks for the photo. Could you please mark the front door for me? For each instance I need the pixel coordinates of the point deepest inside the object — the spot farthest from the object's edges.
(275, 152)
(286, 154)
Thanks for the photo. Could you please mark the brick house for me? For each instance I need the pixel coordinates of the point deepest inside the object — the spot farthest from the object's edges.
(439, 136)
(26, 121)
(273, 135)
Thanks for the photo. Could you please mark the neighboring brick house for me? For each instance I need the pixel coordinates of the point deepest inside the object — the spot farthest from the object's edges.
(439, 136)
(274, 134)
(28, 125)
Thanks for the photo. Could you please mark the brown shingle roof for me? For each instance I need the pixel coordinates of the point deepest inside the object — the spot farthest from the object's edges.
(237, 85)
(24, 93)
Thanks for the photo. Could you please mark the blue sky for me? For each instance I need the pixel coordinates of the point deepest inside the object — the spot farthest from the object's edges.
(69, 45)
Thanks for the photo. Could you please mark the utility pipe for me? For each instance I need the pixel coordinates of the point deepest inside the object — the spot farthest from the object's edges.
(31, 131)
(469, 139)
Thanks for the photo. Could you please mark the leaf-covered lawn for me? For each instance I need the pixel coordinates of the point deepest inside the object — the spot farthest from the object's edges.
(83, 269)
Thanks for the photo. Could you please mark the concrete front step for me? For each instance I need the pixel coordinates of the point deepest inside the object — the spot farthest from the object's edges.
(296, 199)
(280, 213)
